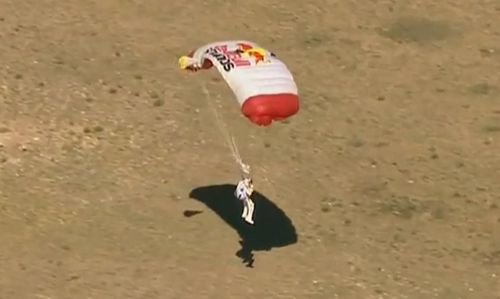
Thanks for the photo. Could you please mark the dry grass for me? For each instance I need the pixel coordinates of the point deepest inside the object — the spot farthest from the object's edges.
(389, 172)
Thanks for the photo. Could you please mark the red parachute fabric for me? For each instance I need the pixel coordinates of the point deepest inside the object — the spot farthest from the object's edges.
(262, 110)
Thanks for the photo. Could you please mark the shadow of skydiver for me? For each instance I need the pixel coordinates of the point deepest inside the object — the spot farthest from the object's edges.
(272, 226)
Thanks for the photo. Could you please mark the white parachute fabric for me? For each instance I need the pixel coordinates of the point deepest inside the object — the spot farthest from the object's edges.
(249, 69)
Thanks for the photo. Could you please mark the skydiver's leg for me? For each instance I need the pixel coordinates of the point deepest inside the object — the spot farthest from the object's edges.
(250, 206)
(245, 210)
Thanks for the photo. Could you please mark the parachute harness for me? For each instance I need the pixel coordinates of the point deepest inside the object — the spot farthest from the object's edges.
(244, 189)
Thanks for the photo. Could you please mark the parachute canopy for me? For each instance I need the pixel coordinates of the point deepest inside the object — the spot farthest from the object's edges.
(262, 84)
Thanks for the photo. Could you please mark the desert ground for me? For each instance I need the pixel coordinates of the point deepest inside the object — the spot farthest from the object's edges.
(385, 183)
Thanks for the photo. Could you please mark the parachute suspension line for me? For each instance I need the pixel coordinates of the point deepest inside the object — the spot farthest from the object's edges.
(229, 139)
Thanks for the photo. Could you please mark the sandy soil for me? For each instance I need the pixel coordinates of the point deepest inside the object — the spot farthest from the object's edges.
(383, 186)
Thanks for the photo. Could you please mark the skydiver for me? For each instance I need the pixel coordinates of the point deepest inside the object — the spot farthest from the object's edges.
(244, 191)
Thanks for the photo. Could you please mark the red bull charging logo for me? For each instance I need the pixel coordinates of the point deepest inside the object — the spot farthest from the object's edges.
(258, 54)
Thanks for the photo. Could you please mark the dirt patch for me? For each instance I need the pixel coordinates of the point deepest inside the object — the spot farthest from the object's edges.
(418, 30)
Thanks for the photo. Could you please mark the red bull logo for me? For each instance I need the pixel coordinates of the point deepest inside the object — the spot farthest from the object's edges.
(258, 54)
